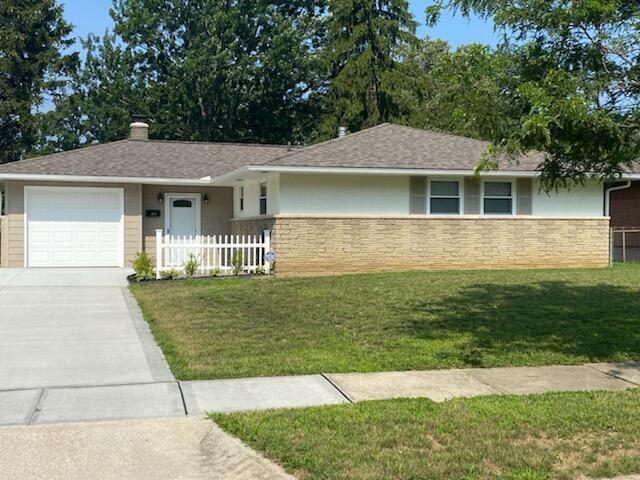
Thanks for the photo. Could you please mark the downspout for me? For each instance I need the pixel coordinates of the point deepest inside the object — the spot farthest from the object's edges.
(607, 196)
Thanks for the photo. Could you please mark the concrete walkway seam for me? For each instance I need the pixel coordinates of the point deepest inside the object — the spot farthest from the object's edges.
(36, 407)
(333, 384)
(613, 375)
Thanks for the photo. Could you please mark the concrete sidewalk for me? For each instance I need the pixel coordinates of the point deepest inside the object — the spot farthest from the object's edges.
(176, 399)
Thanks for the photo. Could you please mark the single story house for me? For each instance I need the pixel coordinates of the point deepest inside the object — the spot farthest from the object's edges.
(386, 198)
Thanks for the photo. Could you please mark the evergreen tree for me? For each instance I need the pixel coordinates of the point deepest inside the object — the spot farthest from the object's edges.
(363, 46)
(33, 36)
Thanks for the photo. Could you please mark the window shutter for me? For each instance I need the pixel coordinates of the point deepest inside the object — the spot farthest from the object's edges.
(417, 195)
(525, 196)
(472, 196)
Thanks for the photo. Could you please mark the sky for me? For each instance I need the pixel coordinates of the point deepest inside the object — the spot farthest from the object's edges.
(453, 28)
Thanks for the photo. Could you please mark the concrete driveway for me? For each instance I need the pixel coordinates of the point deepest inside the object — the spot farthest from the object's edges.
(73, 327)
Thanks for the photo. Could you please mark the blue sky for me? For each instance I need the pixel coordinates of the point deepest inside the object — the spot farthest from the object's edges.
(453, 28)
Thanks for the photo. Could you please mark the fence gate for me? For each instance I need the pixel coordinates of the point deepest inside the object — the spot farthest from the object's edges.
(625, 244)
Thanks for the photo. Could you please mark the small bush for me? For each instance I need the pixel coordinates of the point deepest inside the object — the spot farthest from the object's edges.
(192, 265)
(260, 270)
(214, 272)
(170, 274)
(143, 267)
(237, 262)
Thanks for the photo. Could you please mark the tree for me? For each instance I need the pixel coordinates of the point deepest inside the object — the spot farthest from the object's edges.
(365, 39)
(33, 36)
(465, 92)
(580, 82)
(201, 70)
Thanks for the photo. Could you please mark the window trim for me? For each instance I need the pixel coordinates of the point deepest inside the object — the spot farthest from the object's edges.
(261, 198)
(460, 197)
(513, 197)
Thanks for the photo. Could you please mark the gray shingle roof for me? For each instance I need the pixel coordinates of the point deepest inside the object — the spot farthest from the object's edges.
(384, 146)
(396, 146)
(149, 159)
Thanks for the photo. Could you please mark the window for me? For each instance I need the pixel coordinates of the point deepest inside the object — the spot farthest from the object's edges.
(241, 199)
(182, 204)
(263, 198)
(498, 198)
(444, 198)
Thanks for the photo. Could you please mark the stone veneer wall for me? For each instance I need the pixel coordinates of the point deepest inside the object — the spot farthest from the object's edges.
(337, 245)
(253, 226)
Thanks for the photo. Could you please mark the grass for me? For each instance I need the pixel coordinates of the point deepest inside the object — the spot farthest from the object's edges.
(396, 321)
(544, 437)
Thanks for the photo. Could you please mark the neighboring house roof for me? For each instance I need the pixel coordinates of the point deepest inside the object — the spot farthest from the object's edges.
(395, 146)
(148, 159)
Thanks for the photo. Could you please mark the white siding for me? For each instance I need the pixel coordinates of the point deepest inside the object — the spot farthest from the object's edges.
(252, 197)
(344, 194)
(578, 201)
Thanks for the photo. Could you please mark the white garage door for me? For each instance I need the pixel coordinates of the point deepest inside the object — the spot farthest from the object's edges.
(74, 227)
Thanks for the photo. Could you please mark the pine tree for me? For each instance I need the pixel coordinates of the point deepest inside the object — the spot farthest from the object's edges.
(33, 36)
(363, 45)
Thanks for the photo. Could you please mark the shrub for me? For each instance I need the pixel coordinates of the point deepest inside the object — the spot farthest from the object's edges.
(143, 267)
(170, 274)
(237, 262)
(260, 270)
(192, 265)
(214, 272)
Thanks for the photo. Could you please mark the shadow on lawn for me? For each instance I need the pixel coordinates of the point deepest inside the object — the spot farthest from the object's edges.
(597, 322)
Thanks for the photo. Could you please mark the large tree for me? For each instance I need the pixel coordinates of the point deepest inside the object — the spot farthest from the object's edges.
(580, 68)
(365, 39)
(33, 37)
(467, 91)
(206, 70)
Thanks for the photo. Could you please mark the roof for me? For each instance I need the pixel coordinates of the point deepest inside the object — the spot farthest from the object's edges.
(385, 146)
(149, 159)
(399, 147)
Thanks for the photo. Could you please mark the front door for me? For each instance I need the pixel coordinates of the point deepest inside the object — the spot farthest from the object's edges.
(183, 215)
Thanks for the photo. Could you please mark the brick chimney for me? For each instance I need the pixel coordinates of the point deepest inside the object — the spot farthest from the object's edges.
(139, 128)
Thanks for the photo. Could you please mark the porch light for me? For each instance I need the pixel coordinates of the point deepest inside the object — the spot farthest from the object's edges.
(205, 199)
(160, 197)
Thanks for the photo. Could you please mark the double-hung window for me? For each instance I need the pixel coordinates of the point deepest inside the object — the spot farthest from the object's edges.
(242, 198)
(498, 198)
(263, 198)
(444, 197)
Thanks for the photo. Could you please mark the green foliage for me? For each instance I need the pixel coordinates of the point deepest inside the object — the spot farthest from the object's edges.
(205, 71)
(33, 35)
(237, 262)
(579, 85)
(170, 274)
(192, 265)
(260, 270)
(214, 272)
(362, 51)
(143, 267)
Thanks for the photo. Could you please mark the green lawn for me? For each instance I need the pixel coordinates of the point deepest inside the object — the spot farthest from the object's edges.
(552, 436)
(397, 321)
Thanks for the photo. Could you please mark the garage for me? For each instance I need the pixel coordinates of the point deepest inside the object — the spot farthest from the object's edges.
(74, 227)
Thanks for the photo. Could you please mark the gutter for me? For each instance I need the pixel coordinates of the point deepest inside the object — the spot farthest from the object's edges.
(206, 181)
(607, 196)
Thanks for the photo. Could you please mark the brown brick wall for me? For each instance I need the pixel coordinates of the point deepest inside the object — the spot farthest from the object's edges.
(625, 206)
(334, 245)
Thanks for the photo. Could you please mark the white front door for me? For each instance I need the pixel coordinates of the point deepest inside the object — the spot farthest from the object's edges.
(74, 227)
(183, 215)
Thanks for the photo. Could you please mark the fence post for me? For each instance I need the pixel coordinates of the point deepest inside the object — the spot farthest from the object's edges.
(267, 248)
(611, 246)
(158, 253)
(624, 246)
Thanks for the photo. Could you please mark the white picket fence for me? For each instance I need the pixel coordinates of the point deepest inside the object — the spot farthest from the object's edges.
(213, 252)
